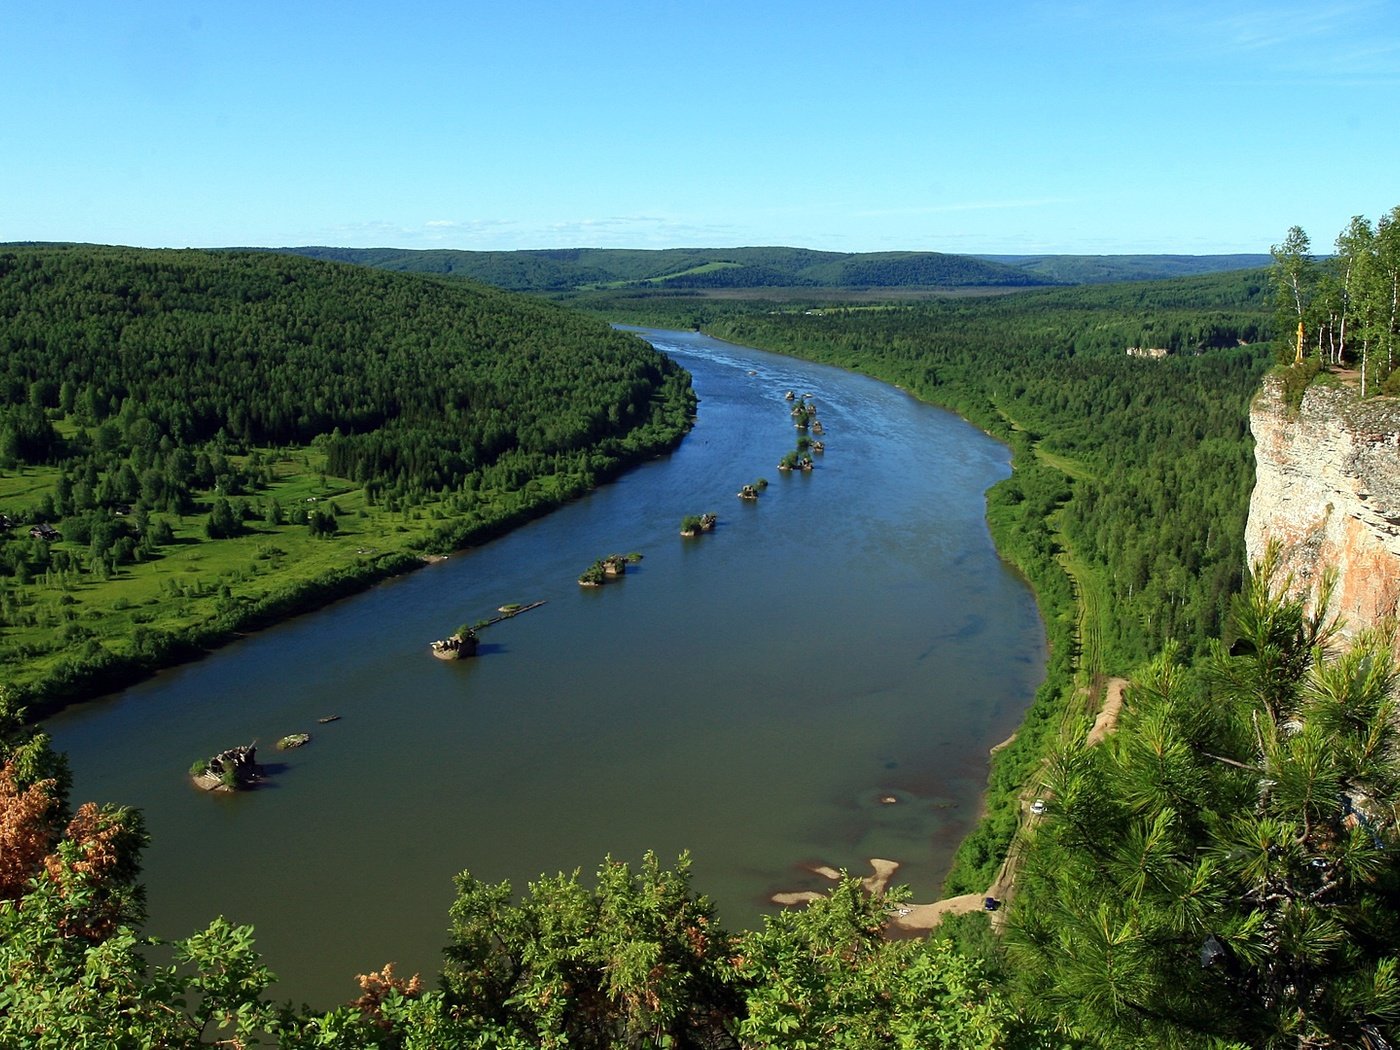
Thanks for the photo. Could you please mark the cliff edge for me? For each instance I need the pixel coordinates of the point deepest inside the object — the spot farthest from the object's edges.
(1327, 486)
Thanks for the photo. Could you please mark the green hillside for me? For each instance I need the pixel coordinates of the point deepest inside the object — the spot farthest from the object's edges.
(1103, 269)
(564, 270)
(219, 438)
(1219, 871)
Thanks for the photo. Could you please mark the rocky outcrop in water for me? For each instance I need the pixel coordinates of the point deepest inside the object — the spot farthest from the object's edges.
(457, 646)
(230, 770)
(1327, 487)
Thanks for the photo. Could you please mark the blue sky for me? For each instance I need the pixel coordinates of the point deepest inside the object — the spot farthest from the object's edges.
(1102, 126)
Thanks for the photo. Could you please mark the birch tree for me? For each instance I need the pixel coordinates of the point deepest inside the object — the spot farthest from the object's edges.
(1353, 246)
(1387, 255)
(1296, 277)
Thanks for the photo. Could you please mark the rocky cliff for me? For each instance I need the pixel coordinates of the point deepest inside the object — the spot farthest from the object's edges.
(1327, 486)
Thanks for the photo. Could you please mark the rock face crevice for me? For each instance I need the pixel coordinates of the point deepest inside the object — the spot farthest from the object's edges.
(1327, 487)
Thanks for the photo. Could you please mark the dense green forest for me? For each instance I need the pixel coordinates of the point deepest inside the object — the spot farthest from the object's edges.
(1105, 269)
(210, 438)
(563, 270)
(426, 386)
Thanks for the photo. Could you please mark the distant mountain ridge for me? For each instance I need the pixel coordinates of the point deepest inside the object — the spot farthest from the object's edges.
(570, 269)
(1104, 269)
(564, 270)
(573, 269)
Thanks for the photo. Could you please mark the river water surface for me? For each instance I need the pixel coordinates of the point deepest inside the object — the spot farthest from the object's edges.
(752, 695)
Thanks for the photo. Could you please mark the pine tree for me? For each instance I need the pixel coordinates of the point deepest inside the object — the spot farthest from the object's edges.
(1226, 866)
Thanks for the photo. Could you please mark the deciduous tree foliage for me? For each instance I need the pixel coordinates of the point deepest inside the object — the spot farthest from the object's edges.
(637, 960)
(826, 977)
(1346, 306)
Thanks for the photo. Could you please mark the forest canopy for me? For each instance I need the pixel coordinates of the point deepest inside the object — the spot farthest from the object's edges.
(409, 379)
(311, 426)
(1219, 873)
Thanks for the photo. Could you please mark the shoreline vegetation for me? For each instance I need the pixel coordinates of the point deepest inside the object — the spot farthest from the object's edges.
(150, 515)
(218, 598)
(91, 674)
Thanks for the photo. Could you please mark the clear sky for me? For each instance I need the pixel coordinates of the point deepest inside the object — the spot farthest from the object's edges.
(1000, 126)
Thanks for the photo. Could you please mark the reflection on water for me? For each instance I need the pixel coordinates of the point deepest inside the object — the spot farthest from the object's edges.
(751, 695)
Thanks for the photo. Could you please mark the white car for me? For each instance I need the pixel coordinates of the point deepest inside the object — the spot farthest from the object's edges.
(1038, 806)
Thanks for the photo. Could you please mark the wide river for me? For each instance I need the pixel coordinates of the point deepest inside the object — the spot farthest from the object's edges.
(754, 696)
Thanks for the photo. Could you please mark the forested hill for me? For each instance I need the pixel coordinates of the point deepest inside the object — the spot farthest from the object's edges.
(565, 270)
(715, 269)
(416, 382)
(1105, 269)
(195, 443)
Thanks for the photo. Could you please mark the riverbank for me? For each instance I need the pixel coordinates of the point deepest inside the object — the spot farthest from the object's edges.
(1018, 514)
(912, 919)
(200, 594)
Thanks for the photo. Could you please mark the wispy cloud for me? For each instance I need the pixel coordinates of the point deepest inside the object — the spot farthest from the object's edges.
(1284, 27)
(963, 206)
(1340, 43)
(379, 233)
(620, 231)
(635, 231)
(1300, 39)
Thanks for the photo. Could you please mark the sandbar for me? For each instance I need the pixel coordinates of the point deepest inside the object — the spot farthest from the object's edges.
(877, 882)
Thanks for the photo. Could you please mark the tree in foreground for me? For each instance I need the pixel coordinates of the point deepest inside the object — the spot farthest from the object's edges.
(1226, 867)
(825, 978)
(637, 960)
(1349, 303)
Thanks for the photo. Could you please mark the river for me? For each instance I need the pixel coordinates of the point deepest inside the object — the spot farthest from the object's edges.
(754, 695)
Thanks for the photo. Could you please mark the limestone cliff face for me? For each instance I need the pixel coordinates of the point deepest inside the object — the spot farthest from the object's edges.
(1327, 486)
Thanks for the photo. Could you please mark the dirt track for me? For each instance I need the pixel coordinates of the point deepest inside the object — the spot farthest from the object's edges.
(916, 918)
